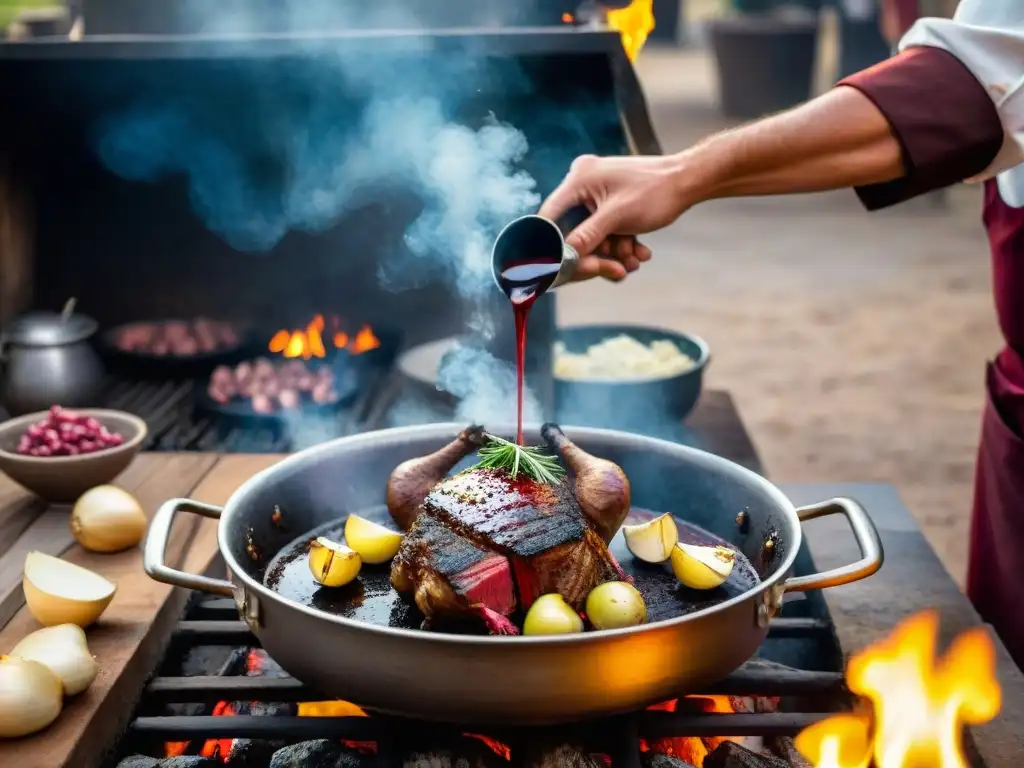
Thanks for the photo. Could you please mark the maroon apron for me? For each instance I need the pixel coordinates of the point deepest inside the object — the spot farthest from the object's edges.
(995, 579)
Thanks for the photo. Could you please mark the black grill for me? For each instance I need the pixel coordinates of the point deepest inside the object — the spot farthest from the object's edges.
(178, 704)
(169, 410)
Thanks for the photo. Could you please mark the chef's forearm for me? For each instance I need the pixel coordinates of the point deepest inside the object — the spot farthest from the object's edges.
(917, 122)
(838, 140)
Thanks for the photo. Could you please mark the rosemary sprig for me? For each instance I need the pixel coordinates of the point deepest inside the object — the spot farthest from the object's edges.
(513, 459)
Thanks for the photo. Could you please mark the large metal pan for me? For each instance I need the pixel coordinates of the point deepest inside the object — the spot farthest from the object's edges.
(509, 680)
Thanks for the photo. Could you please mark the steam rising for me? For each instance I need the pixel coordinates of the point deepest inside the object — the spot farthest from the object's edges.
(485, 388)
(334, 134)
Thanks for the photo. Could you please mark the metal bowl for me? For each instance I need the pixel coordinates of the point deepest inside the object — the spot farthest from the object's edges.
(636, 405)
(62, 479)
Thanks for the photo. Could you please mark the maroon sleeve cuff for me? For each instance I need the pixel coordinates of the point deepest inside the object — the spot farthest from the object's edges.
(945, 121)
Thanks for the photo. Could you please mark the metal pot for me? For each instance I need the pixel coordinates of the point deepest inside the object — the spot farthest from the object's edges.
(47, 359)
(509, 680)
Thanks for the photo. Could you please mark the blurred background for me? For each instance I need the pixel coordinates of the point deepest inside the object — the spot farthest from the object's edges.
(853, 344)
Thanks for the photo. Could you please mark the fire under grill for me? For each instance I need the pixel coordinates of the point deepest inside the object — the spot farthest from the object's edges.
(218, 699)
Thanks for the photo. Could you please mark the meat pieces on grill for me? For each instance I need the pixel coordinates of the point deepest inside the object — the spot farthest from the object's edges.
(269, 387)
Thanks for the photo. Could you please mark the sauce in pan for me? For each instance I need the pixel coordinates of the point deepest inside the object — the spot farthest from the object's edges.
(372, 599)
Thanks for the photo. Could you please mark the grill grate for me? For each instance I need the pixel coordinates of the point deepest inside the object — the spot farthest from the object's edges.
(168, 408)
(213, 623)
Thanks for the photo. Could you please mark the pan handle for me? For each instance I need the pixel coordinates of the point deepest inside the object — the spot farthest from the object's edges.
(156, 546)
(864, 532)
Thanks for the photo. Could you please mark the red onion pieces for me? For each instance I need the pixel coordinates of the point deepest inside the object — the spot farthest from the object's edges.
(66, 433)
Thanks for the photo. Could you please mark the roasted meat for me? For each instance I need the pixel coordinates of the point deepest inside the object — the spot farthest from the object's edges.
(481, 543)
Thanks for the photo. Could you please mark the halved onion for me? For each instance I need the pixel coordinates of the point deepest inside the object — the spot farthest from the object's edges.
(333, 564)
(700, 567)
(59, 592)
(374, 543)
(652, 541)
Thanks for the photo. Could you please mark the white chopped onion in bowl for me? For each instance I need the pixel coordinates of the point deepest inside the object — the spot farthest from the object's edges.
(622, 358)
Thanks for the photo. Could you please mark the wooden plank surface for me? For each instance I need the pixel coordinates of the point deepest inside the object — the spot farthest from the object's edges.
(132, 633)
(50, 533)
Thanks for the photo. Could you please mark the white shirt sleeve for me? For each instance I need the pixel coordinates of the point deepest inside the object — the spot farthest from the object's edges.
(987, 36)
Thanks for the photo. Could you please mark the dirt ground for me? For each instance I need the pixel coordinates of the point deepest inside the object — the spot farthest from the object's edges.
(854, 343)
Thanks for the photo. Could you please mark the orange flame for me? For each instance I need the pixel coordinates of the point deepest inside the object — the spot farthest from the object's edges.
(308, 343)
(690, 749)
(919, 704)
(634, 23)
(219, 748)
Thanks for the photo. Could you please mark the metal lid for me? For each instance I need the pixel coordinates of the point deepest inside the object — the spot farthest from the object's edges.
(49, 329)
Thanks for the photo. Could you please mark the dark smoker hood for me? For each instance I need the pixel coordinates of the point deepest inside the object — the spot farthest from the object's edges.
(597, 50)
(137, 245)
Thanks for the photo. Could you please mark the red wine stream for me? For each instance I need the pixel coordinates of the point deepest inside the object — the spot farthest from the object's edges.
(522, 283)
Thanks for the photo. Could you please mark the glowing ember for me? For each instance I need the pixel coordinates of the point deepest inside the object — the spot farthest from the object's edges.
(634, 23)
(175, 748)
(568, 18)
(919, 704)
(309, 342)
(329, 709)
(219, 748)
(501, 750)
(690, 749)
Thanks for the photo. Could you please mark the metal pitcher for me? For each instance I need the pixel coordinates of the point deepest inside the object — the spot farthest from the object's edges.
(46, 359)
(533, 238)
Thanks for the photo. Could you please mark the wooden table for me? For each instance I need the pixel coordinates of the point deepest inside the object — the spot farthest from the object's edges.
(133, 633)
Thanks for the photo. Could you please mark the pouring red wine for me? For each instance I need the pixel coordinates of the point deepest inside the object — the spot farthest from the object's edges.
(527, 260)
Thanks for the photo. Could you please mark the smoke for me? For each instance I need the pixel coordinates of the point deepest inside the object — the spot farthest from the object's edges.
(484, 386)
(318, 138)
(466, 178)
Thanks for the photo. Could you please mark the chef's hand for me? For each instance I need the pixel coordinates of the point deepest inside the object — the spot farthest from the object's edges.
(626, 196)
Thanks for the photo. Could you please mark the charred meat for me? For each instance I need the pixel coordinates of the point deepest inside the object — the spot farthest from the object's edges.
(482, 542)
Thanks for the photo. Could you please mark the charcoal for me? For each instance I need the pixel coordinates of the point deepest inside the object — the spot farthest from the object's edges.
(731, 755)
(784, 747)
(444, 759)
(139, 761)
(656, 760)
(308, 754)
(564, 756)
(353, 760)
(252, 753)
(189, 762)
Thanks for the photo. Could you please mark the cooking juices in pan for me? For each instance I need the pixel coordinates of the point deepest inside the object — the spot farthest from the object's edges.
(372, 599)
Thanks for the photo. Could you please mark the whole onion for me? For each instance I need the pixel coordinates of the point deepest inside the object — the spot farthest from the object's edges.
(108, 519)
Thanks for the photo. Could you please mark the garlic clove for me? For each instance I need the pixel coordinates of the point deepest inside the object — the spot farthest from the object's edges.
(108, 519)
(64, 651)
(374, 543)
(30, 697)
(59, 592)
(551, 615)
(699, 567)
(333, 564)
(652, 541)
